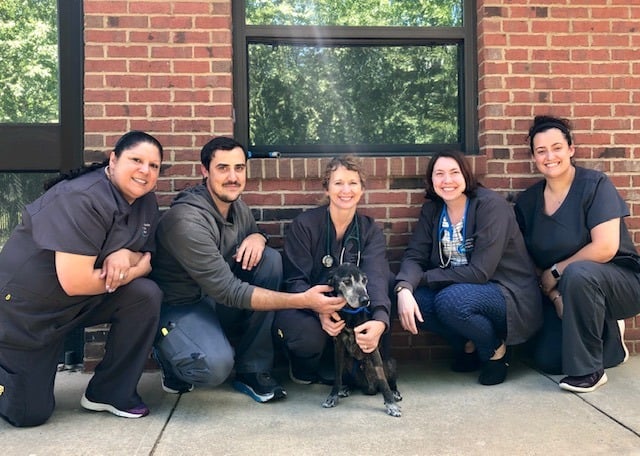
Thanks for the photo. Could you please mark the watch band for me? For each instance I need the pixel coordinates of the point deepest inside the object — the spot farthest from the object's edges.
(554, 271)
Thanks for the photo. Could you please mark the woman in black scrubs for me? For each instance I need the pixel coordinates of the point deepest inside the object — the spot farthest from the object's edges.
(317, 241)
(80, 257)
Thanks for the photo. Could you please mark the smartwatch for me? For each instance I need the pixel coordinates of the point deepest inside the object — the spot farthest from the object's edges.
(399, 288)
(554, 271)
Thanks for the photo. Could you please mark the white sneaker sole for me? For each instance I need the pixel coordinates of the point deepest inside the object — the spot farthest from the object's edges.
(576, 389)
(621, 326)
(99, 407)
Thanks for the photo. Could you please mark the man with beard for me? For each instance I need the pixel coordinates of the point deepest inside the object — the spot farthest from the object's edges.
(220, 284)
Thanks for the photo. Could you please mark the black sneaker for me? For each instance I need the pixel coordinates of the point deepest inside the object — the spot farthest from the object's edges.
(260, 387)
(584, 383)
(170, 383)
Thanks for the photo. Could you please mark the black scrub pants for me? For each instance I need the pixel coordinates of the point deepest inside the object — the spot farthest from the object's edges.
(299, 332)
(27, 376)
(587, 337)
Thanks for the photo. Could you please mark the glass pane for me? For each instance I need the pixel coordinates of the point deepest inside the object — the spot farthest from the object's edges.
(18, 189)
(398, 13)
(353, 95)
(28, 61)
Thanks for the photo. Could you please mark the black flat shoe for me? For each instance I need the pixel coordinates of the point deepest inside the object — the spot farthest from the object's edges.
(494, 371)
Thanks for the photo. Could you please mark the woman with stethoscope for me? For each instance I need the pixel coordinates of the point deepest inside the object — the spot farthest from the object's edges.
(316, 242)
(466, 274)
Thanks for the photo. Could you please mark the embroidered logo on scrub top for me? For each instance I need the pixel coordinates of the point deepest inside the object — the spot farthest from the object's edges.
(145, 229)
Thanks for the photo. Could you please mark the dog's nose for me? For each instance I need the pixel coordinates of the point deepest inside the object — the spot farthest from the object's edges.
(364, 301)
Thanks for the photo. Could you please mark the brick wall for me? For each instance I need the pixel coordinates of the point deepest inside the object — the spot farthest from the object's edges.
(165, 67)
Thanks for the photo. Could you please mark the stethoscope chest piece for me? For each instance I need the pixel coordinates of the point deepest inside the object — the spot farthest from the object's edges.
(327, 261)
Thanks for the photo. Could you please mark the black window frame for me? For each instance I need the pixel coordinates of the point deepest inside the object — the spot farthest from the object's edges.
(464, 36)
(47, 147)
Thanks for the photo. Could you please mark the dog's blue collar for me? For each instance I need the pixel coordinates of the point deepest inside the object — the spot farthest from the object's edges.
(355, 311)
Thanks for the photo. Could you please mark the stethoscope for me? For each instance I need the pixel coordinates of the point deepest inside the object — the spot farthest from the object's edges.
(462, 247)
(352, 235)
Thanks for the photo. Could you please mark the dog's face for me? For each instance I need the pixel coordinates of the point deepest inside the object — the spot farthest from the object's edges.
(350, 282)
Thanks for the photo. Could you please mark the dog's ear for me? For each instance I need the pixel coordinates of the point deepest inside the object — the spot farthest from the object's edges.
(331, 278)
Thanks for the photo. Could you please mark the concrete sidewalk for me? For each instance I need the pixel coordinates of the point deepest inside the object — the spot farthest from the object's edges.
(444, 413)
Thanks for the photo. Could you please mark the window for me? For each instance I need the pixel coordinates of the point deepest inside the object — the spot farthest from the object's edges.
(41, 130)
(374, 77)
(41, 85)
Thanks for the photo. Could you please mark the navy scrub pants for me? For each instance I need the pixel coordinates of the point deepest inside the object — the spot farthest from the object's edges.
(27, 376)
(463, 312)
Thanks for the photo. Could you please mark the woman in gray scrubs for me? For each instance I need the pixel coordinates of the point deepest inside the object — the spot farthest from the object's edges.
(573, 222)
(80, 257)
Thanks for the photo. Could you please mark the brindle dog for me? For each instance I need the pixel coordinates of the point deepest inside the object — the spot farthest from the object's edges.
(350, 282)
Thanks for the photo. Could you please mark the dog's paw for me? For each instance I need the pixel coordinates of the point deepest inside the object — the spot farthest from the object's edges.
(396, 395)
(331, 401)
(344, 391)
(393, 410)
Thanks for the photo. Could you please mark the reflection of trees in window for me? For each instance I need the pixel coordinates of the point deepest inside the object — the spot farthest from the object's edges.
(407, 13)
(353, 95)
(370, 76)
(28, 90)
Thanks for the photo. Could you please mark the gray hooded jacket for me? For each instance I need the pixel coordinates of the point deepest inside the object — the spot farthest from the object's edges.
(195, 248)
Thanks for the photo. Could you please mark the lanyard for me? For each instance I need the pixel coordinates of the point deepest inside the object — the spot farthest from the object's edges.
(444, 216)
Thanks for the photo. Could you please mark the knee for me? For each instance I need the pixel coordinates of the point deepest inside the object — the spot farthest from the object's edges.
(577, 273)
(301, 334)
(146, 292)
(305, 347)
(271, 264)
(36, 416)
(208, 371)
(450, 307)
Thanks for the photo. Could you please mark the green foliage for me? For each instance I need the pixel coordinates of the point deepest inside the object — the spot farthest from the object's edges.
(28, 90)
(316, 93)
(415, 13)
(353, 95)
(28, 61)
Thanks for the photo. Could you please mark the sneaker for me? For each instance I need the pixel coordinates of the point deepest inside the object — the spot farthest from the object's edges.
(261, 387)
(170, 383)
(621, 326)
(584, 383)
(138, 411)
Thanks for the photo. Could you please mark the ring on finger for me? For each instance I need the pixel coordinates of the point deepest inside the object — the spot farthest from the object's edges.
(121, 275)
